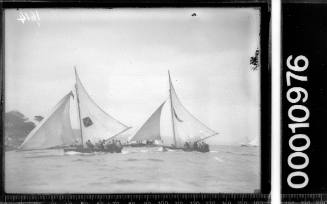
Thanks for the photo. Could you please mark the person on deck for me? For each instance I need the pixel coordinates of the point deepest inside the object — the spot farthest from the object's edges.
(195, 146)
(187, 145)
(109, 147)
(200, 146)
(106, 145)
(89, 145)
(119, 143)
(206, 147)
(118, 146)
(97, 146)
(101, 144)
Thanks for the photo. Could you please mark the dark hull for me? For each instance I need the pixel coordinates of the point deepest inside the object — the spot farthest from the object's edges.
(142, 145)
(189, 149)
(87, 150)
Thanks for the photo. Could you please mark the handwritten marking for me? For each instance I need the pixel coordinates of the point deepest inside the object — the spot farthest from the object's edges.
(29, 16)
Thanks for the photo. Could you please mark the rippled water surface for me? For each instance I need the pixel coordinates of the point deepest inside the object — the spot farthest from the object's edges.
(224, 169)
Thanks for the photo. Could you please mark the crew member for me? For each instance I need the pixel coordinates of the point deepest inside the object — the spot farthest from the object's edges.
(187, 145)
(195, 146)
(89, 145)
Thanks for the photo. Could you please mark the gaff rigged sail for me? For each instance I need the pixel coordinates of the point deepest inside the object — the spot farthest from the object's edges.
(95, 123)
(151, 128)
(54, 130)
(186, 127)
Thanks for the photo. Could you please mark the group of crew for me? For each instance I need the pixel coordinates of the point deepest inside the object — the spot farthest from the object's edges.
(115, 146)
(105, 146)
(196, 146)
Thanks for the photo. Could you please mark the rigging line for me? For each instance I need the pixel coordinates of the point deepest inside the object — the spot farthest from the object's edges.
(207, 137)
(116, 135)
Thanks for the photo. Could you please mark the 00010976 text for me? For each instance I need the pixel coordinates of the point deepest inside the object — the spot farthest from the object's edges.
(297, 97)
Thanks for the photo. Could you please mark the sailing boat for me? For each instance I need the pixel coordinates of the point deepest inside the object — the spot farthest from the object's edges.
(185, 127)
(253, 143)
(55, 130)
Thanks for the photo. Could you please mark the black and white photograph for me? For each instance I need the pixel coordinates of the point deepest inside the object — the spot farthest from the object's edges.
(133, 100)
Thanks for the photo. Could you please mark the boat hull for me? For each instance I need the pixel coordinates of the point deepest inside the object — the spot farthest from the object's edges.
(88, 150)
(203, 150)
(143, 145)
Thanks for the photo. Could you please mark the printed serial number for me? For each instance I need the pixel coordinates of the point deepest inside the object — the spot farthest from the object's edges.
(297, 96)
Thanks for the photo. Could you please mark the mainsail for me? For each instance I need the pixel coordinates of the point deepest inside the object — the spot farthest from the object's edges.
(186, 127)
(94, 122)
(54, 130)
(151, 128)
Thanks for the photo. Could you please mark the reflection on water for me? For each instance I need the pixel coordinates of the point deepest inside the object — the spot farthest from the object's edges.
(223, 169)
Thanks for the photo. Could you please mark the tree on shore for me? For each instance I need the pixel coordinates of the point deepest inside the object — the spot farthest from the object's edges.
(254, 60)
(17, 127)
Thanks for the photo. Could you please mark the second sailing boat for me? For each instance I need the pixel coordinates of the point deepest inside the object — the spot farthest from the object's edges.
(187, 131)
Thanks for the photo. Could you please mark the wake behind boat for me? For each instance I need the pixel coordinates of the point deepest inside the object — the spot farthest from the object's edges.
(187, 134)
(97, 128)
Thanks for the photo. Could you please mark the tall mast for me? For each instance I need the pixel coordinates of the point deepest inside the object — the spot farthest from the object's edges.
(78, 107)
(172, 109)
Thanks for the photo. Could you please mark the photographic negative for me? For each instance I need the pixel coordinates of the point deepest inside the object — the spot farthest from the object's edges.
(135, 100)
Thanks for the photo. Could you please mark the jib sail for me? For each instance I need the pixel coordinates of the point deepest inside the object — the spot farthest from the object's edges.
(54, 130)
(151, 128)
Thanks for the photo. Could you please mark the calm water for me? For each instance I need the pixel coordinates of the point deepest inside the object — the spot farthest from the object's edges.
(224, 169)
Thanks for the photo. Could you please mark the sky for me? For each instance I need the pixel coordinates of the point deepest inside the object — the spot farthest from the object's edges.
(123, 56)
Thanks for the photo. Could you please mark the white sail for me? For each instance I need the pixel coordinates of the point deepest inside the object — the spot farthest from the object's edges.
(151, 128)
(254, 142)
(54, 130)
(95, 123)
(186, 128)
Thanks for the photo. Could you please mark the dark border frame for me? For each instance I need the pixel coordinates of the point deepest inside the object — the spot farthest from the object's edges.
(265, 91)
(302, 20)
